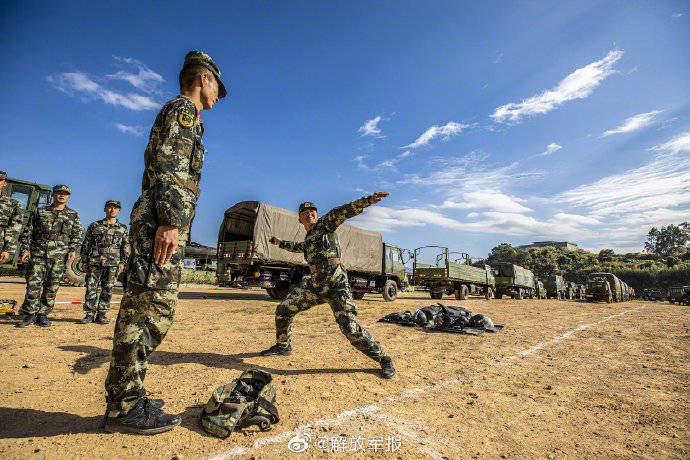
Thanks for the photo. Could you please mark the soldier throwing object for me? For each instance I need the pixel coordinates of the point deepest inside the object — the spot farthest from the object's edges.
(328, 282)
(104, 251)
(51, 239)
(10, 222)
(160, 222)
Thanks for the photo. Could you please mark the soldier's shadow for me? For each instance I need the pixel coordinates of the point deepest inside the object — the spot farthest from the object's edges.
(95, 357)
(30, 423)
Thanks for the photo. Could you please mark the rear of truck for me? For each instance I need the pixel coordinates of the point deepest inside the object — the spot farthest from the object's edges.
(513, 280)
(598, 289)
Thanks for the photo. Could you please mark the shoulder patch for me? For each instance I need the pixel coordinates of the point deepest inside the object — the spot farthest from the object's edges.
(185, 118)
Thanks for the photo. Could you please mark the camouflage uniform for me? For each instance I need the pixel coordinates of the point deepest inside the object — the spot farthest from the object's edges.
(105, 247)
(328, 282)
(170, 188)
(10, 224)
(49, 235)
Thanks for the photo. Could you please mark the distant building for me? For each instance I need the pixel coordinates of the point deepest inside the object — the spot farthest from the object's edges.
(554, 244)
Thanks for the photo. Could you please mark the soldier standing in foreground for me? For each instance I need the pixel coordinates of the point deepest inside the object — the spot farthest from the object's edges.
(160, 224)
(51, 239)
(104, 251)
(328, 282)
(10, 222)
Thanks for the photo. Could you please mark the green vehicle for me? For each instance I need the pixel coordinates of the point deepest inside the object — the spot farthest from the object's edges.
(570, 290)
(675, 293)
(513, 280)
(246, 258)
(580, 290)
(32, 195)
(446, 276)
(604, 286)
(555, 287)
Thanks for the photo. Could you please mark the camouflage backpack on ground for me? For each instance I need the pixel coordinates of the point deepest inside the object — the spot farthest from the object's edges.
(248, 400)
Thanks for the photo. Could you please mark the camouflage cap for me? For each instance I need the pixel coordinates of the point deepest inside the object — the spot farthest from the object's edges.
(113, 203)
(307, 205)
(203, 59)
(62, 188)
(3, 175)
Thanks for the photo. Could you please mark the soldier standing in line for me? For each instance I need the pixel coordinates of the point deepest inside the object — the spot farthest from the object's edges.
(328, 282)
(104, 251)
(160, 224)
(10, 222)
(51, 239)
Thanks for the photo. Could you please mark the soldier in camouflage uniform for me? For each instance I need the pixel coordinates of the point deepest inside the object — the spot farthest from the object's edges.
(160, 224)
(104, 251)
(51, 239)
(328, 282)
(10, 222)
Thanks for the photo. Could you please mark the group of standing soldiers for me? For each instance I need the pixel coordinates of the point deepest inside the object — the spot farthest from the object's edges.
(50, 240)
(159, 228)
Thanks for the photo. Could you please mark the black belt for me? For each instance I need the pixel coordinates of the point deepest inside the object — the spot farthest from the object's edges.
(317, 267)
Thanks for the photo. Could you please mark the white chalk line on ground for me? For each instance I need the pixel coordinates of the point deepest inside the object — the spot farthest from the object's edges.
(372, 410)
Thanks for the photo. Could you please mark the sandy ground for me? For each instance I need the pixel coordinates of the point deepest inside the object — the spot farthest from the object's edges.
(563, 379)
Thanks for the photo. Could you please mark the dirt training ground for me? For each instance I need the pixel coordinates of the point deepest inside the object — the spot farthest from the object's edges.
(563, 379)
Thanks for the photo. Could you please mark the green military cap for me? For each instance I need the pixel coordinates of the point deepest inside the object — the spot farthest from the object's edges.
(203, 59)
(307, 205)
(62, 188)
(113, 203)
(3, 175)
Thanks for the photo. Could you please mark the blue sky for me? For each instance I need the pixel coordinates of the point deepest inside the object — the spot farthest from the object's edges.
(488, 122)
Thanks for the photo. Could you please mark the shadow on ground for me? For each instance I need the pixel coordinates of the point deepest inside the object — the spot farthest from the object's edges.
(29, 423)
(95, 357)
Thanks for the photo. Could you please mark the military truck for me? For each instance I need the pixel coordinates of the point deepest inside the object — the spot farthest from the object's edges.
(570, 289)
(450, 277)
(513, 280)
(653, 294)
(610, 291)
(31, 195)
(675, 293)
(555, 287)
(245, 255)
(580, 291)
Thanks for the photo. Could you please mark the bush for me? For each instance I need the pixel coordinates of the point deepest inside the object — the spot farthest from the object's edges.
(198, 276)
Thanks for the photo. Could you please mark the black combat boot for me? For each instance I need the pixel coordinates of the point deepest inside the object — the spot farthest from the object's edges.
(88, 318)
(145, 417)
(277, 350)
(43, 321)
(387, 369)
(27, 321)
(101, 319)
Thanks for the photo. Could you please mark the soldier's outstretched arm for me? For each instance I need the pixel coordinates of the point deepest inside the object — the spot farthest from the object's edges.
(336, 216)
(292, 246)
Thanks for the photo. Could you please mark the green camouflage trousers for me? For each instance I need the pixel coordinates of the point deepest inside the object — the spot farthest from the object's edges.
(105, 277)
(42, 282)
(146, 313)
(344, 309)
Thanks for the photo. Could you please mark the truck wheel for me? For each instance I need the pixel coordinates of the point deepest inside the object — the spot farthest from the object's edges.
(489, 294)
(390, 290)
(462, 293)
(74, 275)
(436, 295)
(358, 295)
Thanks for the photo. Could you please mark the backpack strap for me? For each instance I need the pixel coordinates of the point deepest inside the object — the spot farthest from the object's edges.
(270, 407)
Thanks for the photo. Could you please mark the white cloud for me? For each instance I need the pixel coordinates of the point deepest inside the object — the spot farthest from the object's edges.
(634, 123)
(680, 143)
(552, 147)
(145, 79)
(487, 199)
(71, 82)
(406, 153)
(136, 130)
(449, 129)
(370, 128)
(676, 15)
(577, 85)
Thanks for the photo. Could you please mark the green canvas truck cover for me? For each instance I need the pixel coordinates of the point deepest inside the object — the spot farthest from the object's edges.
(614, 282)
(258, 222)
(522, 277)
(554, 283)
(469, 273)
